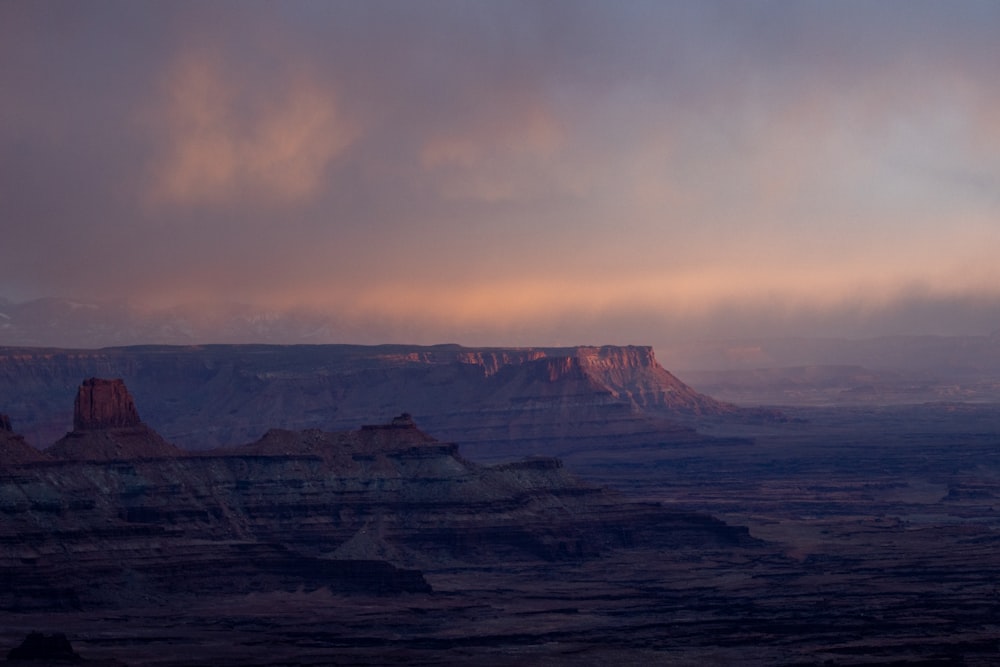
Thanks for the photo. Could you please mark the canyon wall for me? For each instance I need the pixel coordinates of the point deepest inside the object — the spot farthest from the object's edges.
(351, 511)
(497, 402)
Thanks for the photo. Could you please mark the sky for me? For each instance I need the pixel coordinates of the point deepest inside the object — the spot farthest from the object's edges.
(506, 172)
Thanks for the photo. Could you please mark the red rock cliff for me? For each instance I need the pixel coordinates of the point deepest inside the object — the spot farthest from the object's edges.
(102, 404)
(221, 395)
(632, 373)
(106, 426)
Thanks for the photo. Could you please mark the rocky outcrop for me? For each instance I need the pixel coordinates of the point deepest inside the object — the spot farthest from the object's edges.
(352, 511)
(104, 404)
(119, 444)
(632, 373)
(497, 403)
(106, 426)
(13, 449)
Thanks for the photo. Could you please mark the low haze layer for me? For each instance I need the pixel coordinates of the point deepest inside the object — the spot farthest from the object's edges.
(510, 172)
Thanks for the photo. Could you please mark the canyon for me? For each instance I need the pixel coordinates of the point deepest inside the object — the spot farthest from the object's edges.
(113, 517)
(496, 403)
(677, 529)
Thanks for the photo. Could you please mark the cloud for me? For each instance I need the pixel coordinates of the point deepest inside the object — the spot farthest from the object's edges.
(497, 166)
(227, 138)
(512, 157)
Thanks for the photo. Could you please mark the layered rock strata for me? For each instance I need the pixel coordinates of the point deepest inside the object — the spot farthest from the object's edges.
(496, 402)
(361, 510)
(102, 404)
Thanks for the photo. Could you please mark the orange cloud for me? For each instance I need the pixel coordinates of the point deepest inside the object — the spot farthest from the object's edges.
(689, 292)
(222, 142)
(533, 132)
(500, 159)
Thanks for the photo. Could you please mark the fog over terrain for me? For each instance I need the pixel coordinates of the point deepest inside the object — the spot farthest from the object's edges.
(503, 173)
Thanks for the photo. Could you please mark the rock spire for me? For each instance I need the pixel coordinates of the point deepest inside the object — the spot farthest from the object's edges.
(103, 404)
(106, 426)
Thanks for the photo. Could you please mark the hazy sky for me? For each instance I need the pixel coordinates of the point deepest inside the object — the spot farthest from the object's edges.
(500, 172)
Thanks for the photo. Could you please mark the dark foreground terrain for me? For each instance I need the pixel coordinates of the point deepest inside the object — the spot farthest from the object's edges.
(678, 529)
(881, 545)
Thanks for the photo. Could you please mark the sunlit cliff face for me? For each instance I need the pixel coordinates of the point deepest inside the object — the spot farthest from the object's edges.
(505, 169)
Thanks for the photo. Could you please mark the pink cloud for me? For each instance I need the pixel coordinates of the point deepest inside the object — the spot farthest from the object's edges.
(224, 141)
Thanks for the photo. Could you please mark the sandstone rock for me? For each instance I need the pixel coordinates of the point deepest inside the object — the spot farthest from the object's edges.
(221, 395)
(106, 427)
(103, 404)
(354, 511)
(5, 423)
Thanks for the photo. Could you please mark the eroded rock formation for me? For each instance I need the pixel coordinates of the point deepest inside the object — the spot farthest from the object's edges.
(103, 404)
(362, 510)
(496, 402)
(106, 426)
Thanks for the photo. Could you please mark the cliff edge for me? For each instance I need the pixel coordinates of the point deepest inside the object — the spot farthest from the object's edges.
(504, 401)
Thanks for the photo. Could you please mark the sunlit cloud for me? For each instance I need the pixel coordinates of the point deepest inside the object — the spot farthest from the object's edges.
(510, 167)
(225, 141)
(695, 294)
(509, 154)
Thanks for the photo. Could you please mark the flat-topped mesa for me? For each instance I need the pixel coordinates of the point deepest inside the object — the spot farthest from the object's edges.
(103, 404)
(398, 437)
(466, 394)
